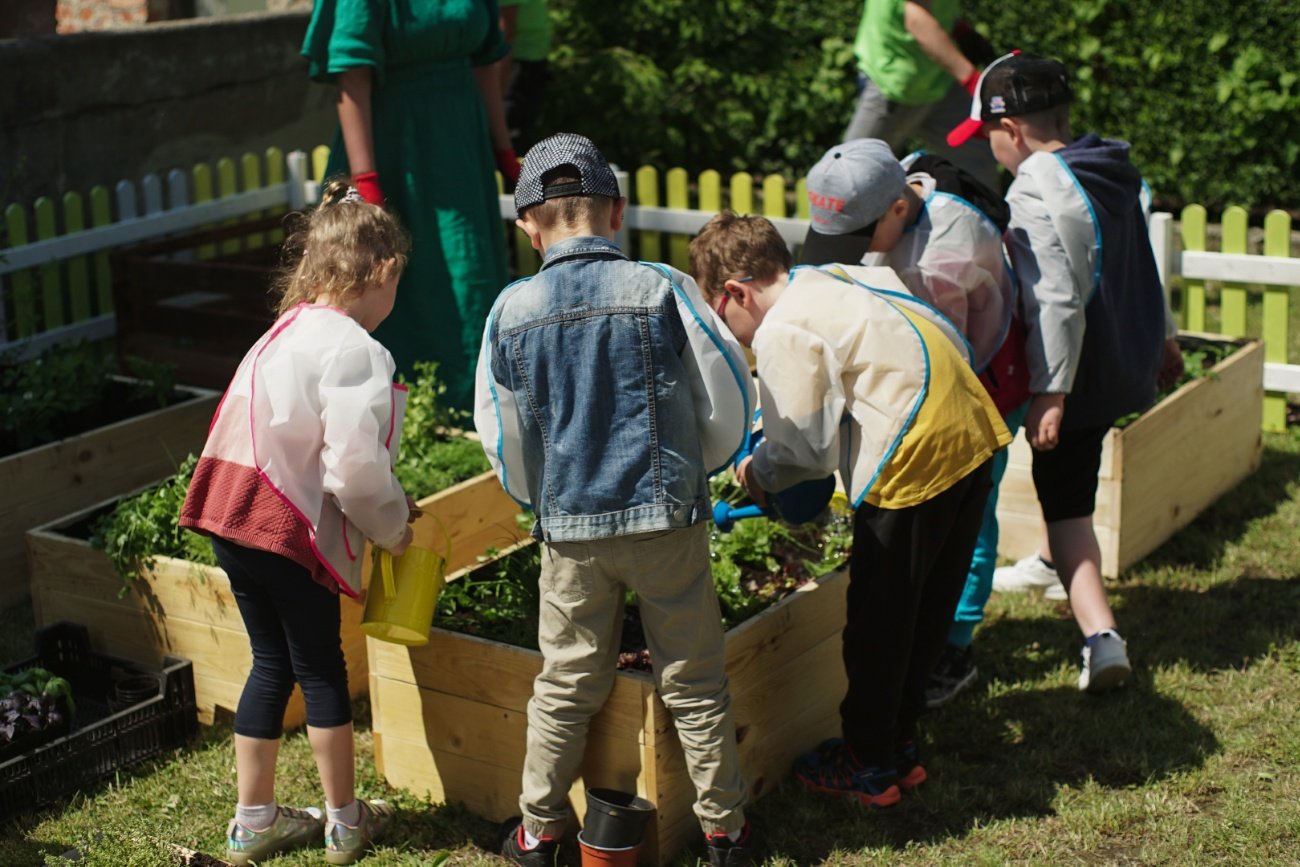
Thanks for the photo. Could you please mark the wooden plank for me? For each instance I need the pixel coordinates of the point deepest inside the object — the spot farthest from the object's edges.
(101, 215)
(179, 608)
(1276, 316)
(227, 185)
(1232, 303)
(774, 197)
(741, 193)
(1193, 226)
(678, 197)
(52, 309)
(1211, 416)
(57, 479)
(21, 286)
(203, 194)
(251, 176)
(74, 220)
(450, 715)
(647, 195)
(477, 514)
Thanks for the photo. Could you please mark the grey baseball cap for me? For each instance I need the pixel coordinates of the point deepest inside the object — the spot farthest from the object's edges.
(595, 177)
(849, 189)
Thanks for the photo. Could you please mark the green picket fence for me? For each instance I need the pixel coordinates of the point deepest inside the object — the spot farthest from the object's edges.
(72, 294)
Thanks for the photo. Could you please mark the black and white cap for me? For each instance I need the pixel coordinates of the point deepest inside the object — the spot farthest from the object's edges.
(563, 150)
(1010, 86)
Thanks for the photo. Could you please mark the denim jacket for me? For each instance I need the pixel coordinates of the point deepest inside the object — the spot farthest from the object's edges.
(607, 392)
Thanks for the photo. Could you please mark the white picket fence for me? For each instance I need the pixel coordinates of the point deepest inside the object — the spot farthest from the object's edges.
(166, 208)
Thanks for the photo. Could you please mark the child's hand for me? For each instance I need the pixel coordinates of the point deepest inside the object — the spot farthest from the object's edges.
(400, 548)
(413, 511)
(1171, 365)
(1043, 422)
(749, 483)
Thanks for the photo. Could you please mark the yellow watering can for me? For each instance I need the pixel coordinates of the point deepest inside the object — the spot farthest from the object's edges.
(399, 606)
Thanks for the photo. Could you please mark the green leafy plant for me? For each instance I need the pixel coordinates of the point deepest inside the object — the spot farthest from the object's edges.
(433, 455)
(756, 564)
(1199, 359)
(70, 389)
(145, 526)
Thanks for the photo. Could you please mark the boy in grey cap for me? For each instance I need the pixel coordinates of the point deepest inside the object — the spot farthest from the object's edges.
(939, 230)
(606, 392)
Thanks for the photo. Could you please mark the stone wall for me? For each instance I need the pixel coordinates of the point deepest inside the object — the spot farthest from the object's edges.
(92, 108)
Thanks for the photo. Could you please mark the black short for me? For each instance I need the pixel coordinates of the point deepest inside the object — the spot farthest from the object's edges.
(1066, 477)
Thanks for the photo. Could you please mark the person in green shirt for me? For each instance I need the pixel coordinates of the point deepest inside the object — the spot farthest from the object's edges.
(914, 80)
(527, 26)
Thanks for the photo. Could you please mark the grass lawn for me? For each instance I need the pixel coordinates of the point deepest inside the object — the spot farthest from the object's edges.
(1194, 762)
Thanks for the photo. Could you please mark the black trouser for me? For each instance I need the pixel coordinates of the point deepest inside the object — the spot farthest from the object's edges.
(905, 577)
(293, 627)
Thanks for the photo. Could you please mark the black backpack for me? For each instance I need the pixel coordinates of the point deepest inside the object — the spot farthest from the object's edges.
(950, 179)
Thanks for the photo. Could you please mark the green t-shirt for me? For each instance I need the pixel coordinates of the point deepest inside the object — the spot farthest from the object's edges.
(532, 29)
(890, 57)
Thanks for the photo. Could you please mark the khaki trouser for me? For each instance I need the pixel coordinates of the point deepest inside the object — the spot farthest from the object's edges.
(582, 589)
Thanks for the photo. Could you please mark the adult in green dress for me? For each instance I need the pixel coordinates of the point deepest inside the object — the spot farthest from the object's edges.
(421, 128)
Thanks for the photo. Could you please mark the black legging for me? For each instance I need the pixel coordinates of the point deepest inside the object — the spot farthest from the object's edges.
(293, 627)
(905, 576)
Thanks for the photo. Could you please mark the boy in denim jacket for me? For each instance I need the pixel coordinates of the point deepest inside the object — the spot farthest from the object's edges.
(607, 391)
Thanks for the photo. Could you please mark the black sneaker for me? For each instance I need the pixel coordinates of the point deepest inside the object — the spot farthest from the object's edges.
(954, 671)
(724, 852)
(512, 847)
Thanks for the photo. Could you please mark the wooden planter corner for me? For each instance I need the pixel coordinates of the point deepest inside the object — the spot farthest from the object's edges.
(450, 717)
(180, 608)
(1160, 472)
(49, 481)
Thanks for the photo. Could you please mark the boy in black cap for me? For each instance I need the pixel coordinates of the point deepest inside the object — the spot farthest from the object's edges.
(607, 389)
(1099, 333)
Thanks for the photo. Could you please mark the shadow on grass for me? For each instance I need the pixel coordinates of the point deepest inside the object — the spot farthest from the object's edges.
(1001, 757)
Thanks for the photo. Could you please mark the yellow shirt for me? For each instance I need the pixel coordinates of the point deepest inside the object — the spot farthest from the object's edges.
(956, 429)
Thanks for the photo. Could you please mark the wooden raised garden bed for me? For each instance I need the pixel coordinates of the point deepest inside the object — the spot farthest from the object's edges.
(194, 302)
(450, 717)
(1160, 471)
(46, 482)
(180, 608)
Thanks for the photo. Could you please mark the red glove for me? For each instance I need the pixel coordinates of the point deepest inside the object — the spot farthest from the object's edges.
(367, 184)
(972, 81)
(508, 165)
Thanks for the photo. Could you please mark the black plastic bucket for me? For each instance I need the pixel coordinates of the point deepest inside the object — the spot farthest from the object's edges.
(615, 820)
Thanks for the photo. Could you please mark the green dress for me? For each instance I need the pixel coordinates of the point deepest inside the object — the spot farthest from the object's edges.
(435, 163)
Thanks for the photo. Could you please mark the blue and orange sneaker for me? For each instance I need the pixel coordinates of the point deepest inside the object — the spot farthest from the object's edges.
(907, 764)
(833, 770)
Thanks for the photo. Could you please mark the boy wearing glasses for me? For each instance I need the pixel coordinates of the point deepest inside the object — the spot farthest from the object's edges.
(941, 232)
(857, 375)
(606, 393)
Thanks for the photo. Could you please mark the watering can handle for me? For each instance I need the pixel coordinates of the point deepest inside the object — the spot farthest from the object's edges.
(386, 572)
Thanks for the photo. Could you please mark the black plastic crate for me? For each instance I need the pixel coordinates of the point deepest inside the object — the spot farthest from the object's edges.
(107, 733)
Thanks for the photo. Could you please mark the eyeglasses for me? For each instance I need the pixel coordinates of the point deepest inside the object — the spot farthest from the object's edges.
(722, 302)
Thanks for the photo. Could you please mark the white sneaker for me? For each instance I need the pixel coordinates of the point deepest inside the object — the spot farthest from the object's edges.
(1031, 573)
(1105, 662)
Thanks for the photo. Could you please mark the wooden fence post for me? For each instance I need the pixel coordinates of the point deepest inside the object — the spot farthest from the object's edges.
(1277, 242)
(649, 244)
(742, 193)
(1232, 308)
(101, 215)
(51, 291)
(74, 220)
(1193, 221)
(678, 197)
(20, 282)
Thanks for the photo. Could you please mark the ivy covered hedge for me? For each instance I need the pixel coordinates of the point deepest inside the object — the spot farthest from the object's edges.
(1208, 93)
